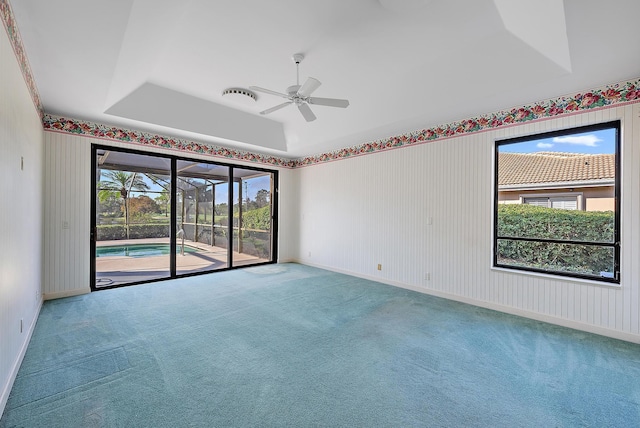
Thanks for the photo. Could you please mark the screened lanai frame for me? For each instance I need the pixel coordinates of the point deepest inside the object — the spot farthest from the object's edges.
(236, 173)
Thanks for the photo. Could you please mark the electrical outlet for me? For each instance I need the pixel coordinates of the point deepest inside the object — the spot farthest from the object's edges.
(427, 276)
(309, 253)
(379, 266)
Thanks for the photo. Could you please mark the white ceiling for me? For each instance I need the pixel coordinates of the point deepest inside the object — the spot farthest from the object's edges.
(404, 65)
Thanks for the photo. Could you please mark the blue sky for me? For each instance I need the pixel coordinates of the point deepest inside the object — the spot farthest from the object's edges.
(595, 142)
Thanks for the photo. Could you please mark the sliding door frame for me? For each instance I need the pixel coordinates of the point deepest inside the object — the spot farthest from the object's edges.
(173, 240)
(93, 235)
(230, 217)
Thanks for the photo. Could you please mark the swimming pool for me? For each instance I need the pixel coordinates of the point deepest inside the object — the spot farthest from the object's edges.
(139, 250)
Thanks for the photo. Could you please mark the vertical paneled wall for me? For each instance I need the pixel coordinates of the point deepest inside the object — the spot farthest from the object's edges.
(287, 215)
(68, 212)
(21, 163)
(425, 214)
(67, 218)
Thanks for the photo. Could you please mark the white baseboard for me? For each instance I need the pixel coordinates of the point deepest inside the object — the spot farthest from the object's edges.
(6, 389)
(615, 334)
(68, 293)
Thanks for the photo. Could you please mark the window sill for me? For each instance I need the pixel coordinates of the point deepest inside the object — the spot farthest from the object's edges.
(551, 276)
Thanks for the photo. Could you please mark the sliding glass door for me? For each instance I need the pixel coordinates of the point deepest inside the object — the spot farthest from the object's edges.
(252, 216)
(132, 231)
(158, 217)
(202, 201)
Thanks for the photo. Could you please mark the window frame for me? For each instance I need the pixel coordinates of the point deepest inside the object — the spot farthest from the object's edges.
(615, 279)
(173, 222)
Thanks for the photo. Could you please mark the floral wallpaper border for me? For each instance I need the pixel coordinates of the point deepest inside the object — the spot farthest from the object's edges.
(616, 94)
(105, 132)
(16, 41)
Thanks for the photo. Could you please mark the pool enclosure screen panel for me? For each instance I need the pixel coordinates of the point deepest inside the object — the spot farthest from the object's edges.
(252, 216)
(159, 216)
(201, 209)
(133, 218)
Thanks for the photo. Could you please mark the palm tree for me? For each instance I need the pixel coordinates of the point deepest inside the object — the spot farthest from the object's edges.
(121, 183)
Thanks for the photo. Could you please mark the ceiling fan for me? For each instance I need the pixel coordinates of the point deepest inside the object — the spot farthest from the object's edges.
(300, 95)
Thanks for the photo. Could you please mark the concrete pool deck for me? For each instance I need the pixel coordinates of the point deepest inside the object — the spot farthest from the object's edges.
(118, 270)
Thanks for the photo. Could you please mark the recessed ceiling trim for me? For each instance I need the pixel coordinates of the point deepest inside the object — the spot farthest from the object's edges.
(522, 19)
(155, 104)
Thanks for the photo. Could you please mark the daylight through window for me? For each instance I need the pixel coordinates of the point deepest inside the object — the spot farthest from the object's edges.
(557, 203)
(157, 216)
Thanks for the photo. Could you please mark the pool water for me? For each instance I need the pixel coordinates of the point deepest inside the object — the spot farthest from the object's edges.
(139, 250)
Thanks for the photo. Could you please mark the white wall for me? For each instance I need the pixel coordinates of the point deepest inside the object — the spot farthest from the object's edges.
(359, 212)
(21, 136)
(67, 171)
(287, 215)
(68, 201)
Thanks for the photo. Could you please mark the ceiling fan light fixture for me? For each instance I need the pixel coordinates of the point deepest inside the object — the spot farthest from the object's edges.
(242, 95)
(299, 95)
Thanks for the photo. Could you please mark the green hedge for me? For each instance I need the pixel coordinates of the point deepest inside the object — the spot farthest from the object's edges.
(548, 223)
(259, 219)
(136, 231)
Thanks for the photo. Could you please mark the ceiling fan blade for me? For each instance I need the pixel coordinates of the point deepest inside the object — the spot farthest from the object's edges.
(331, 102)
(268, 91)
(308, 87)
(306, 112)
(278, 107)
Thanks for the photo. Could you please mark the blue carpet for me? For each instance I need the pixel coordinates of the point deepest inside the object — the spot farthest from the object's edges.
(290, 345)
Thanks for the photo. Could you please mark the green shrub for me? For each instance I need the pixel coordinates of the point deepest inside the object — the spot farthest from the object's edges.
(527, 221)
(259, 219)
(136, 231)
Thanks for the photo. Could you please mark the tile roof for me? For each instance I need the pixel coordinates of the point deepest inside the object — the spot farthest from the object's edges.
(551, 167)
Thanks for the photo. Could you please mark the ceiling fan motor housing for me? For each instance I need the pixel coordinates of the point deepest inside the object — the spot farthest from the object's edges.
(293, 93)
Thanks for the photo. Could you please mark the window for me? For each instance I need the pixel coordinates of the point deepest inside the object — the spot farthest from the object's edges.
(557, 203)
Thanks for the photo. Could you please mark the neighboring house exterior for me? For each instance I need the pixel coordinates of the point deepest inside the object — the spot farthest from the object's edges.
(557, 180)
